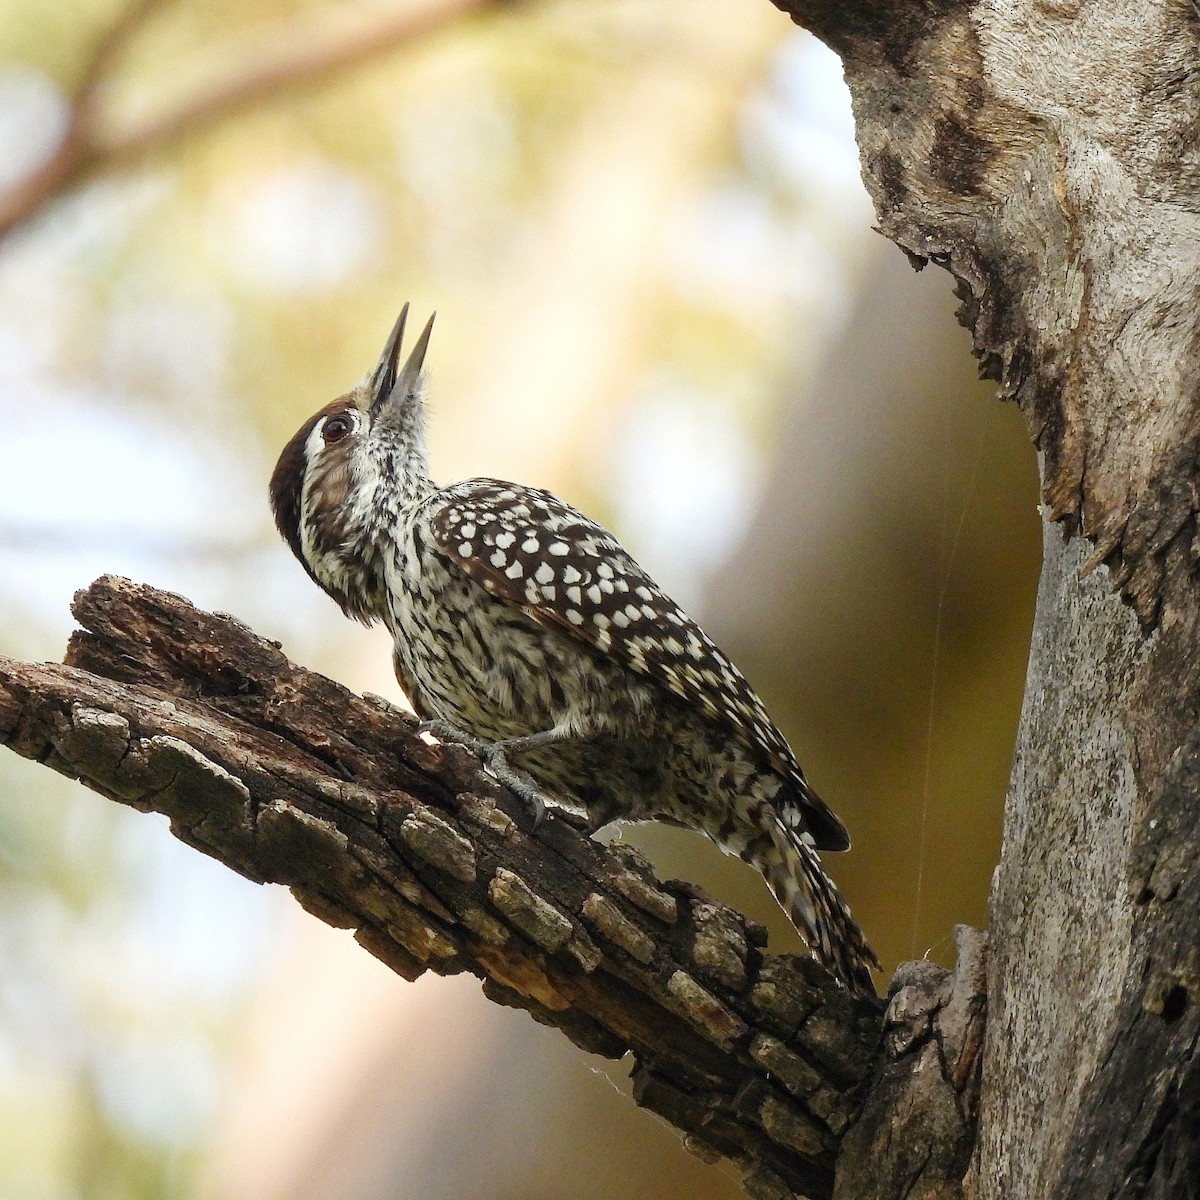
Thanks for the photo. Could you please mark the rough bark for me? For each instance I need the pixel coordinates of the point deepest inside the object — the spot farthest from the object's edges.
(1045, 152)
(1096, 988)
(911, 1140)
(288, 777)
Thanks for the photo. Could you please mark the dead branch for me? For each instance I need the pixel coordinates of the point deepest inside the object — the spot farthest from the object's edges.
(287, 777)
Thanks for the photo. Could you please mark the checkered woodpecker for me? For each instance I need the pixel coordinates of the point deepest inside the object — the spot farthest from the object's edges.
(524, 629)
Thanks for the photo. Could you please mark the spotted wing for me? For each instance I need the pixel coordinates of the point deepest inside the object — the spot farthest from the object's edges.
(529, 549)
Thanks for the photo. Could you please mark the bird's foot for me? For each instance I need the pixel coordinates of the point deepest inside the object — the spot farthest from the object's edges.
(495, 760)
(518, 782)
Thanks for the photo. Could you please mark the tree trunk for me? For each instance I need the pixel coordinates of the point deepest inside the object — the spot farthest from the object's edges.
(1046, 154)
(1095, 994)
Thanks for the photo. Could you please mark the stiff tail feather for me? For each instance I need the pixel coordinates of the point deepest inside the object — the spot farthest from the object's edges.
(814, 905)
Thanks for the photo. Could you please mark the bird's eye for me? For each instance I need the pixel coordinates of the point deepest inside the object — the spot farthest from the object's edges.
(337, 427)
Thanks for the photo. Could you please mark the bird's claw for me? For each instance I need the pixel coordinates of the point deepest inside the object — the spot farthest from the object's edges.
(492, 753)
(517, 782)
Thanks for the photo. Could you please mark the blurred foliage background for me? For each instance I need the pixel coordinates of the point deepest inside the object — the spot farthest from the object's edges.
(642, 226)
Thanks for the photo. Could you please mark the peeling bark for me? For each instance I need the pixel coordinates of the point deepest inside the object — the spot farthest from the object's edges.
(287, 777)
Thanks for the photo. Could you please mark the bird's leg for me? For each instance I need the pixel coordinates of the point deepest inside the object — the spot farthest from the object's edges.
(495, 758)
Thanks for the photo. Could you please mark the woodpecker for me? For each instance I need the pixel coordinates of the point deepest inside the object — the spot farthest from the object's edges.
(524, 630)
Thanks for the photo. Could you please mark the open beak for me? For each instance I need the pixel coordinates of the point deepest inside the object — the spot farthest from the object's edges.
(387, 381)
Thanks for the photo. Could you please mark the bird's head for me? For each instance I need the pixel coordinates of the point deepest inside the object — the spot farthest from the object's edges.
(343, 478)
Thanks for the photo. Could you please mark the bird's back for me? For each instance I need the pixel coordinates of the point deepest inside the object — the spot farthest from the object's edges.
(496, 651)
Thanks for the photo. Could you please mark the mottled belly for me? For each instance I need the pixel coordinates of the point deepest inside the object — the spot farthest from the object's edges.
(639, 753)
(493, 670)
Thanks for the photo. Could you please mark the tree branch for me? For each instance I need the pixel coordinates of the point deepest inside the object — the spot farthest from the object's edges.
(287, 777)
(88, 147)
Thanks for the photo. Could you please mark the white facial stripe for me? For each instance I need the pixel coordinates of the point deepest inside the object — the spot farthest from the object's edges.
(313, 445)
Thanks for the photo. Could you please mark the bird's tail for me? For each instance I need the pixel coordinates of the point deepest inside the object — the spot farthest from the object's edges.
(813, 904)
